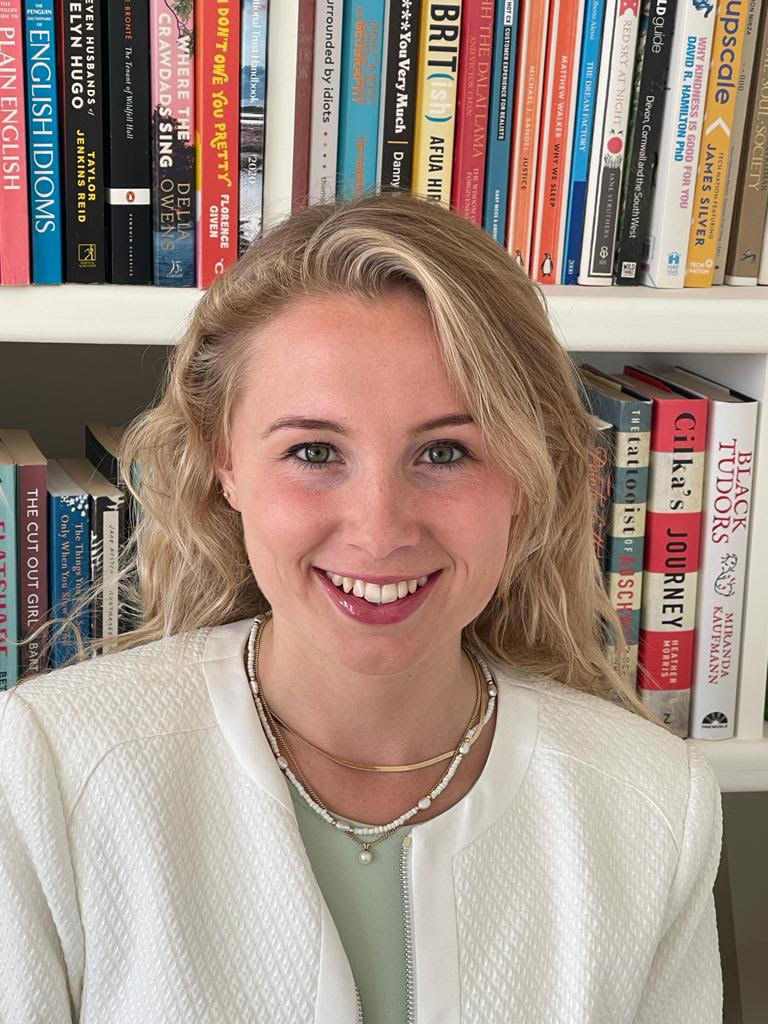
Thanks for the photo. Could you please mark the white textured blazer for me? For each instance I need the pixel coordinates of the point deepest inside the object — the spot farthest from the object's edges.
(152, 870)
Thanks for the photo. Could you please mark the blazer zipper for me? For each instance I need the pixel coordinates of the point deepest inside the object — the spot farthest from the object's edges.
(405, 899)
(359, 1006)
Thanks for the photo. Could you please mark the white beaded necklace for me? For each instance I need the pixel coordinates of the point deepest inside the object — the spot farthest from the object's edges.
(353, 831)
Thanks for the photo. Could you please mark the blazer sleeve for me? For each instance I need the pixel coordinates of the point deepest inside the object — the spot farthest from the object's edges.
(41, 940)
(685, 979)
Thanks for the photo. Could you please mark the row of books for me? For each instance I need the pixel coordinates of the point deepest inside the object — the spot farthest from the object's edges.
(672, 470)
(599, 142)
(63, 525)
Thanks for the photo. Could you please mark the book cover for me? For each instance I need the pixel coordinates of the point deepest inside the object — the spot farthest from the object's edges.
(305, 42)
(500, 118)
(14, 193)
(726, 524)
(664, 252)
(361, 52)
(69, 569)
(9, 616)
(172, 143)
(253, 78)
(398, 110)
(45, 211)
(532, 42)
(436, 101)
(82, 136)
(326, 100)
(128, 207)
(672, 547)
(601, 455)
(654, 52)
(217, 102)
(732, 171)
(751, 199)
(614, 92)
(591, 41)
(282, 71)
(625, 540)
(31, 543)
(566, 20)
(472, 96)
(727, 46)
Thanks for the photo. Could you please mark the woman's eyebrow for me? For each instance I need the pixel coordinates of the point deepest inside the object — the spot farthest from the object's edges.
(455, 419)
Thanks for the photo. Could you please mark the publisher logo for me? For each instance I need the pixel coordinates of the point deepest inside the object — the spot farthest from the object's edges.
(673, 263)
(86, 255)
(176, 269)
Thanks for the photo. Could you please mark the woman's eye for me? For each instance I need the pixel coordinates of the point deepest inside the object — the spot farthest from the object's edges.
(317, 455)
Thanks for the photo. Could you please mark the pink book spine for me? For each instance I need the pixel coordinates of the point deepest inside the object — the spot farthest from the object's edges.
(14, 200)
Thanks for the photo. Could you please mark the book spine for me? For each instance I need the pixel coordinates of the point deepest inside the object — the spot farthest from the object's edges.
(601, 456)
(500, 122)
(282, 55)
(436, 101)
(732, 172)
(172, 143)
(655, 51)
(32, 541)
(113, 530)
(608, 150)
(326, 75)
(9, 617)
(751, 203)
(398, 111)
(527, 125)
(14, 193)
(361, 53)
(563, 47)
(69, 569)
(305, 42)
(671, 559)
(727, 48)
(85, 240)
(594, 19)
(253, 68)
(129, 210)
(667, 239)
(728, 488)
(217, 100)
(472, 95)
(44, 144)
(96, 508)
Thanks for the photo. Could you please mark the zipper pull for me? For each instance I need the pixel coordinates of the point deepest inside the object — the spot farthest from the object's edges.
(407, 842)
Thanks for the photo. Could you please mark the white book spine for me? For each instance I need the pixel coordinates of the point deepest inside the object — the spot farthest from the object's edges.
(672, 207)
(325, 101)
(280, 123)
(110, 622)
(725, 529)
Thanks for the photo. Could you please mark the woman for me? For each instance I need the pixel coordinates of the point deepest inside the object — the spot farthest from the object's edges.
(363, 758)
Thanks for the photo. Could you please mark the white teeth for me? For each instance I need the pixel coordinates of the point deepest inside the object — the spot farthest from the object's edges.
(377, 593)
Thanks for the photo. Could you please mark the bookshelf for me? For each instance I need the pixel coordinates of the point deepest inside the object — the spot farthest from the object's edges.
(722, 332)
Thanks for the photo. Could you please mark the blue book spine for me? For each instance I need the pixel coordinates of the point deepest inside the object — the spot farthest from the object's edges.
(500, 118)
(9, 587)
(361, 42)
(591, 41)
(44, 148)
(69, 559)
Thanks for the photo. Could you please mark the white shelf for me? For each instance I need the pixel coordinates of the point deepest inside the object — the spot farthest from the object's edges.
(741, 766)
(706, 320)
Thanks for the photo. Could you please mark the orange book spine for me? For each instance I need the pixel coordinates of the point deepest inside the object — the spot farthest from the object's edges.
(534, 16)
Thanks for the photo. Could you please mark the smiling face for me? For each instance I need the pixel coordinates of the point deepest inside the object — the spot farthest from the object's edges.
(380, 500)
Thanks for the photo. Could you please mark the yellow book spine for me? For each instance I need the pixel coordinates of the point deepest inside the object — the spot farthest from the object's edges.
(722, 87)
(436, 100)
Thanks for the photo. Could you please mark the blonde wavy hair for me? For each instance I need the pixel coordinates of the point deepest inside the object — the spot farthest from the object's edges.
(549, 614)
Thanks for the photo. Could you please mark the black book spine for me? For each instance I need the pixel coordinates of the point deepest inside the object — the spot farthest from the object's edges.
(654, 52)
(129, 210)
(400, 96)
(83, 141)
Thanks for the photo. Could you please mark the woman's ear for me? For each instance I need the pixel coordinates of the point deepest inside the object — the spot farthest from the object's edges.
(227, 480)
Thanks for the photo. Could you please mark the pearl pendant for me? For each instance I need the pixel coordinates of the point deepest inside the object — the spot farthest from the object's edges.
(282, 762)
(464, 748)
(365, 856)
(424, 803)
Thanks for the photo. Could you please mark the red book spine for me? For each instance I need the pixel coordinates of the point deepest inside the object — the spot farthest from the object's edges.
(303, 122)
(14, 199)
(217, 78)
(32, 511)
(473, 90)
(672, 553)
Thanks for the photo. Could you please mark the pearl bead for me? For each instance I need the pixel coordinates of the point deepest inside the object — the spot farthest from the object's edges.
(464, 748)
(492, 690)
(343, 825)
(365, 856)
(424, 803)
(282, 762)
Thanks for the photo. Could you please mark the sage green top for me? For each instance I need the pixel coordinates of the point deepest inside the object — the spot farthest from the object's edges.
(365, 904)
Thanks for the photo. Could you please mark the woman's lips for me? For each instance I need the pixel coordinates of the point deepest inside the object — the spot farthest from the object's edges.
(360, 610)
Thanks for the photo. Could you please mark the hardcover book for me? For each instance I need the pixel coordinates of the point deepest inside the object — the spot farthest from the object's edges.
(46, 217)
(9, 617)
(398, 92)
(129, 212)
(282, 75)
(601, 456)
(253, 75)
(69, 568)
(326, 99)
(14, 196)
(82, 133)
(500, 118)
